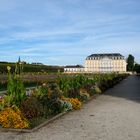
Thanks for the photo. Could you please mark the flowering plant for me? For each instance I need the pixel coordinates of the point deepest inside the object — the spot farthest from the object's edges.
(76, 104)
(11, 117)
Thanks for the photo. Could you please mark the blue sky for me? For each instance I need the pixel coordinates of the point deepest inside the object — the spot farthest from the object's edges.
(64, 32)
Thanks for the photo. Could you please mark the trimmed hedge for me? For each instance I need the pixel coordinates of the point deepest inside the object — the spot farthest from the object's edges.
(31, 68)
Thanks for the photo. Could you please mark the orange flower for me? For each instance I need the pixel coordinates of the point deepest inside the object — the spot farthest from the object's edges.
(11, 117)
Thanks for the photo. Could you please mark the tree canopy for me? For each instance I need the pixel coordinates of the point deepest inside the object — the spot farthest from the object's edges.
(130, 63)
(137, 68)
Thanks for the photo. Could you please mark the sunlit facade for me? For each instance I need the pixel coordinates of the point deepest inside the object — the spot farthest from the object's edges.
(105, 63)
(74, 69)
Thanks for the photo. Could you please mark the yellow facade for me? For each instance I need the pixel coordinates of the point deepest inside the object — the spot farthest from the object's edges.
(105, 63)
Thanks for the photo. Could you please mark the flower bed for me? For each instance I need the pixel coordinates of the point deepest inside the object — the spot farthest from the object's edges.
(22, 111)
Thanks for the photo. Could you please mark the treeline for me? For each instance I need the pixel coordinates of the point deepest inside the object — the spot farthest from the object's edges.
(30, 68)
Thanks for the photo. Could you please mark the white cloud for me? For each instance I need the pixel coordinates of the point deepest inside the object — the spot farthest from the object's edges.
(67, 31)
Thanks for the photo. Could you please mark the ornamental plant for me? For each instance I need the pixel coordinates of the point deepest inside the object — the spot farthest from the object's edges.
(84, 95)
(49, 97)
(71, 85)
(11, 117)
(15, 88)
(76, 104)
(66, 105)
(31, 107)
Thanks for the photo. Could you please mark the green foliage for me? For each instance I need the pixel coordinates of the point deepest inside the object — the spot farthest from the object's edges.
(55, 97)
(42, 90)
(137, 68)
(15, 89)
(71, 85)
(49, 96)
(30, 68)
(130, 63)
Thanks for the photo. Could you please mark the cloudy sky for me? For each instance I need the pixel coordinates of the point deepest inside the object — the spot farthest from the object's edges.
(61, 32)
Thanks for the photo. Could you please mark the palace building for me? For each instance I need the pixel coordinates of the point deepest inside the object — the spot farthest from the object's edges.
(105, 63)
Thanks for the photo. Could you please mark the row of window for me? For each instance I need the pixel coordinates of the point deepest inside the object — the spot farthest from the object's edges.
(72, 69)
(105, 65)
(106, 70)
(98, 58)
(119, 61)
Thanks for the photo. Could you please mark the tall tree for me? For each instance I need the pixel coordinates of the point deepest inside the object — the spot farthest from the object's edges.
(137, 68)
(130, 63)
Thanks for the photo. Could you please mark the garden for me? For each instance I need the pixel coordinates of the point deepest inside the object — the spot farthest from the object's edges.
(20, 109)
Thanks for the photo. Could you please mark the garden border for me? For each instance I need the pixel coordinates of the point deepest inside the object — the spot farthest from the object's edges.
(51, 119)
(46, 122)
(35, 128)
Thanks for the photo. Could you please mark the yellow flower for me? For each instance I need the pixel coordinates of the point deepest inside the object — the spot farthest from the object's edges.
(76, 104)
(11, 117)
(8, 68)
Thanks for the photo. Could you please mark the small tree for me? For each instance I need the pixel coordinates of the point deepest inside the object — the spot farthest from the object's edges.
(130, 63)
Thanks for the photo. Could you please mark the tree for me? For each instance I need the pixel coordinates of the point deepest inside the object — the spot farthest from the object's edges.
(137, 68)
(130, 63)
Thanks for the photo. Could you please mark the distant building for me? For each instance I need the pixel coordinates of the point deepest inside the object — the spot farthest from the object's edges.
(105, 63)
(21, 62)
(37, 63)
(74, 69)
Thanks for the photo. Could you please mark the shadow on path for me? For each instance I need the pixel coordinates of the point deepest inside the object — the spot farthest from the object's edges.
(129, 89)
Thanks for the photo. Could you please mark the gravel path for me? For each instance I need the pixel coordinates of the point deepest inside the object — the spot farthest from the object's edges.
(111, 116)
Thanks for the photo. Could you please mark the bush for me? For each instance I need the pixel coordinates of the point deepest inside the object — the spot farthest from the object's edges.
(50, 99)
(31, 107)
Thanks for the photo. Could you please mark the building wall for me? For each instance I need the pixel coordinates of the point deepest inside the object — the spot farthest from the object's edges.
(105, 64)
(73, 70)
